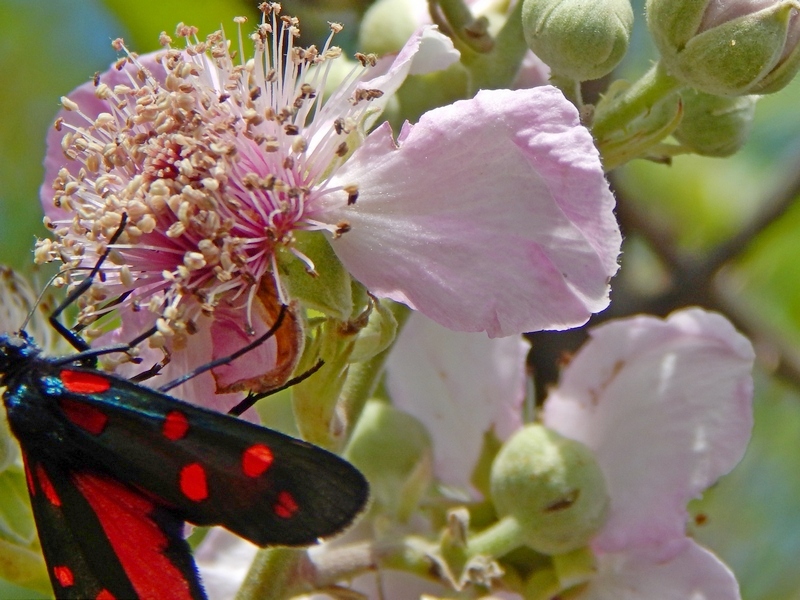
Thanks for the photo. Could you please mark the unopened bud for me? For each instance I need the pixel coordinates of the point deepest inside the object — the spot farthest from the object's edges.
(552, 486)
(387, 25)
(728, 47)
(394, 451)
(577, 39)
(715, 125)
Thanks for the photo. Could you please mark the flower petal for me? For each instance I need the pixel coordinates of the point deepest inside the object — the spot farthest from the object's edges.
(692, 573)
(460, 385)
(223, 560)
(492, 215)
(667, 407)
(198, 390)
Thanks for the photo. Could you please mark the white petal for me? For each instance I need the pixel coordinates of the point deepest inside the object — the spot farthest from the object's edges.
(460, 385)
(693, 573)
(223, 560)
(493, 215)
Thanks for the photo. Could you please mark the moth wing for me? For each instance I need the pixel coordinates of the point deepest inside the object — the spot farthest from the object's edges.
(214, 469)
(102, 539)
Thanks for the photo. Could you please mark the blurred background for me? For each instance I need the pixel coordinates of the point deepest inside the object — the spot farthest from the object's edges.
(724, 233)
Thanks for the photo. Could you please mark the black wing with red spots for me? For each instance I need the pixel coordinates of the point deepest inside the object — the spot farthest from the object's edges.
(211, 469)
(114, 468)
(105, 540)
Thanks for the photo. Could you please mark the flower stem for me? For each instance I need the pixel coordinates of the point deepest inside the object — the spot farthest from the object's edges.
(271, 574)
(641, 97)
(571, 88)
(288, 572)
(498, 540)
(469, 31)
(498, 68)
(363, 377)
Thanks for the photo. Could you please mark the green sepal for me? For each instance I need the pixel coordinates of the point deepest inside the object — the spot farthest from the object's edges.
(377, 336)
(327, 289)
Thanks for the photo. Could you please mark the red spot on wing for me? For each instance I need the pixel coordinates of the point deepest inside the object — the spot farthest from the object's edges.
(286, 506)
(47, 486)
(193, 482)
(64, 576)
(256, 459)
(105, 595)
(137, 540)
(86, 417)
(175, 425)
(81, 382)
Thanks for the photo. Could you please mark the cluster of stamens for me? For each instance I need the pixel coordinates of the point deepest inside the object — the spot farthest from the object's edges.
(214, 163)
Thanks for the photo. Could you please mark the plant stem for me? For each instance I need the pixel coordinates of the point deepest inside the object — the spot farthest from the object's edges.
(653, 87)
(497, 540)
(363, 377)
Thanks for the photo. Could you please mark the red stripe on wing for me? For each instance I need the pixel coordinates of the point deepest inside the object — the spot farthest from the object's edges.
(137, 539)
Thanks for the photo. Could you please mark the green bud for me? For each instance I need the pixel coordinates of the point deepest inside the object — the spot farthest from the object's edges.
(552, 487)
(326, 288)
(578, 39)
(715, 125)
(394, 451)
(727, 48)
(387, 25)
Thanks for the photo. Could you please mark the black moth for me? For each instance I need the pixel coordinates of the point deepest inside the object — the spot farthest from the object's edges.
(115, 468)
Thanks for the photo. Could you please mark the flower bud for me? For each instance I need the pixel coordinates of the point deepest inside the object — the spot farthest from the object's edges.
(715, 125)
(394, 451)
(387, 25)
(727, 47)
(577, 39)
(552, 486)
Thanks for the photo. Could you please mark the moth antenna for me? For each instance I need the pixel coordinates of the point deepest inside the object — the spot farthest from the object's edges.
(38, 302)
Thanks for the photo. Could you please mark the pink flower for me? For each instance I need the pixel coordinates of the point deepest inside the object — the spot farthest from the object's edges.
(491, 214)
(664, 404)
(216, 165)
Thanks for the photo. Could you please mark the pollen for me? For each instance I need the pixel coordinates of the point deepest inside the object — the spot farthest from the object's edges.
(215, 158)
